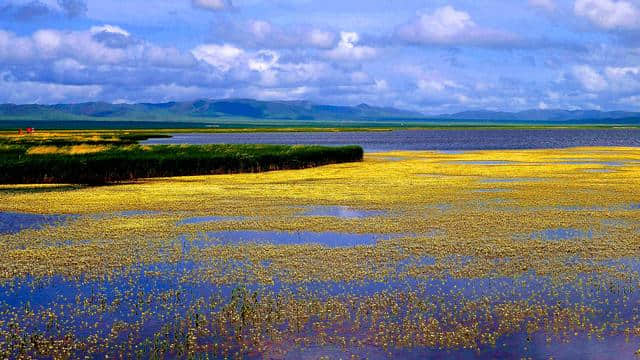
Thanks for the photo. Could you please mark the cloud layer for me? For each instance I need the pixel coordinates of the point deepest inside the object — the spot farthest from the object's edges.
(574, 54)
(449, 26)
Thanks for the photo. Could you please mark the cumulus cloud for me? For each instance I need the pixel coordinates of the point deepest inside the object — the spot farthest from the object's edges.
(589, 78)
(609, 14)
(349, 50)
(270, 70)
(610, 81)
(245, 57)
(222, 57)
(70, 63)
(109, 29)
(86, 47)
(212, 5)
(265, 34)
(623, 79)
(264, 60)
(633, 101)
(436, 85)
(112, 36)
(448, 26)
(31, 92)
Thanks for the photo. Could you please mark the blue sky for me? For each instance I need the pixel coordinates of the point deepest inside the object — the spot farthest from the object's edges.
(431, 56)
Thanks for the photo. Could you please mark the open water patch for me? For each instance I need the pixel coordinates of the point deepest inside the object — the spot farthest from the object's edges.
(207, 219)
(11, 223)
(395, 158)
(491, 190)
(559, 234)
(483, 162)
(599, 171)
(511, 180)
(344, 212)
(452, 152)
(590, 162)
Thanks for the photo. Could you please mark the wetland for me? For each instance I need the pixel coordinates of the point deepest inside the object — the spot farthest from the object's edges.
(531, 251)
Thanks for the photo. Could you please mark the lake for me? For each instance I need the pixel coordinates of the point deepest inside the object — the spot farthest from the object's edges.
(374, 141)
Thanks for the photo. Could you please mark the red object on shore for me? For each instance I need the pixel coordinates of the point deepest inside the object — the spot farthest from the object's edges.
(19, 131)
(29, 130)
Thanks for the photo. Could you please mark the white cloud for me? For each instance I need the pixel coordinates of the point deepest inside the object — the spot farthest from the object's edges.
(446, 25)
(609, 14)
(88, 48)
(349, 50)
(47, 40)
(273, 73)
(112, 29)
(13, 47)
(633, 100)
(295, 93)
(549, 5)
(589, 78)
(53, 44)
(321, 38)
(265, 34)
(264, 60)
(623, 79)
(433, 85)
(66, 65)
(222, 57)
(381, 85)
(618, 72)
(213, 5)
(69, 66)
(360, 77)
(31, 92)
(260, 29)
(265, 67)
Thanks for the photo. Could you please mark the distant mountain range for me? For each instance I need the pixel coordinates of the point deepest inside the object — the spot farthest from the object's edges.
(204, 109)
(213, 111)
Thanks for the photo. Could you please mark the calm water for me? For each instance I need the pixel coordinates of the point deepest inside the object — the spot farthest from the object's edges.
(427, 139)
(15, 222)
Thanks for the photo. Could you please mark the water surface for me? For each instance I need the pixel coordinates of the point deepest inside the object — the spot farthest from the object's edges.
(444, 140)
(11, 223)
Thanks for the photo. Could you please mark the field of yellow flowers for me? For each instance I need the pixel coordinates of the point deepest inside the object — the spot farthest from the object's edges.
(515, 253)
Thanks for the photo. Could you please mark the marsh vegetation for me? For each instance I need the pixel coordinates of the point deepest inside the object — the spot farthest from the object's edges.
(110, 157)
(433, 267)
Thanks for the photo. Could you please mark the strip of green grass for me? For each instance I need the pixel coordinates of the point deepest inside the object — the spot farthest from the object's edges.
(106, 138)
(119, 163)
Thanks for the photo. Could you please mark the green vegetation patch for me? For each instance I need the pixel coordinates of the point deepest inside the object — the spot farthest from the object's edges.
(98, 164)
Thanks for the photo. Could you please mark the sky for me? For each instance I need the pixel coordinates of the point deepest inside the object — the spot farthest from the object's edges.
(431, 56)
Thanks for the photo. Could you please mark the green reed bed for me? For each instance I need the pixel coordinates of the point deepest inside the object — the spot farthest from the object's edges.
(98, 164)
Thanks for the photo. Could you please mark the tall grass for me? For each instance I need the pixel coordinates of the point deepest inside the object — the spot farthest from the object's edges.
(68, 138)
(19, 165)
